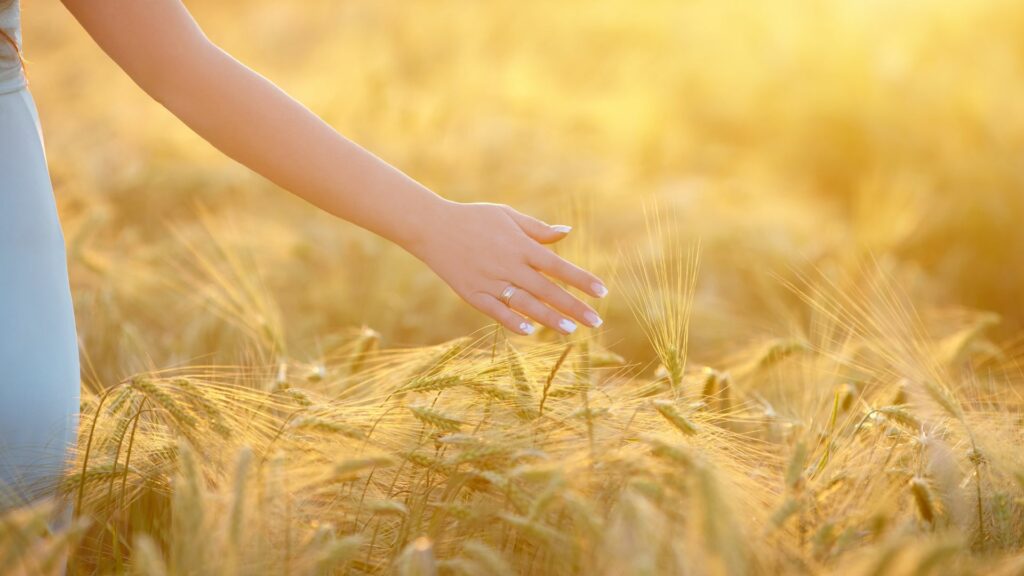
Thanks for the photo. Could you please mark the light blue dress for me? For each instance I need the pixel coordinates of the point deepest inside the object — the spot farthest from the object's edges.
(39, 372)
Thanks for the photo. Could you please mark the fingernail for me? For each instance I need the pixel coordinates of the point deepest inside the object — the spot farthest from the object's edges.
(526, 328)
(599, 290)
(562, 228)
(568, 326)
(593, 319)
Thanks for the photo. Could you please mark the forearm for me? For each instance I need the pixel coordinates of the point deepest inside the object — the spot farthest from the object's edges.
(248, 118)
(251, 120)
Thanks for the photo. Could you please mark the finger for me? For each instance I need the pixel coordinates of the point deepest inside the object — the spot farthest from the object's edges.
(538, 230)
(557, 267)
(554, 295)
(503, 314)
(526, 303)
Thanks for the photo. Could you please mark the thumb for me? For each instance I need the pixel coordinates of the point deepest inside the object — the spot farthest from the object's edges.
(539, 230)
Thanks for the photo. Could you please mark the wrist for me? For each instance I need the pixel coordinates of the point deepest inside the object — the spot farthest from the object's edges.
(421, 220)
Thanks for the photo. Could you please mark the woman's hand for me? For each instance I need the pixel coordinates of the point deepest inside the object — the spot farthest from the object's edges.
(479, 249)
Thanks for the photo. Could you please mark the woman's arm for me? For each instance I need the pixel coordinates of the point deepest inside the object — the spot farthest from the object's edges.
(478, 249)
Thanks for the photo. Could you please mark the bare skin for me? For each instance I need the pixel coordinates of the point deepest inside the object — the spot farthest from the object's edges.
(477, 248)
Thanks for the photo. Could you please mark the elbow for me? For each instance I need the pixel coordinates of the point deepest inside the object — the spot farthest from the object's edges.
(169, 78)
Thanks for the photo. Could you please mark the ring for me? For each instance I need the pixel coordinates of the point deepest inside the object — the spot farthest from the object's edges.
(506, 294)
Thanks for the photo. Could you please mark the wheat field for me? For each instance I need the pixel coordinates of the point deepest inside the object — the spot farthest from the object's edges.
(808, 213)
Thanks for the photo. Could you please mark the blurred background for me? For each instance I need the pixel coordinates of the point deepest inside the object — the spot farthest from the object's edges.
(789, 136)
